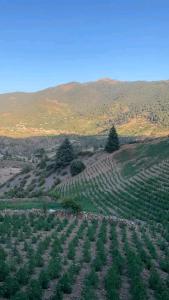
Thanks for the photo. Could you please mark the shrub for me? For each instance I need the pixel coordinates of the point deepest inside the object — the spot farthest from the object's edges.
(54, 194)
(164, 264)
(58, 295)
(92, 278)
(155, 281)
(54, 268)
(34, 290)
(11, 286)
(71, 204)
(26, 169)
(4, 270)
(20, 296)
(76, 167)
(22, 275)
(2, 254)
(65, 284)
(44, 279)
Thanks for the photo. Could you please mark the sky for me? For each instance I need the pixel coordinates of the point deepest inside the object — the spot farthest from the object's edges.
(48, 42)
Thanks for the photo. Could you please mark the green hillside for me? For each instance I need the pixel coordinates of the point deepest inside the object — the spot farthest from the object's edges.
(137, 108)
(117, 247)
(133, 183)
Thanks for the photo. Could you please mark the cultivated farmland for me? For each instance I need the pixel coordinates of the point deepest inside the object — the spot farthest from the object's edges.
(81, 257)
(116, 248)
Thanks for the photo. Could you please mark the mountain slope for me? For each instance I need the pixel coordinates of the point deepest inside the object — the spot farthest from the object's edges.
(137, 108)
(132, 183)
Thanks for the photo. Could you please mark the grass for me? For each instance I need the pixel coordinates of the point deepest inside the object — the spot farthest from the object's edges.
(142, 156)
(28, 204)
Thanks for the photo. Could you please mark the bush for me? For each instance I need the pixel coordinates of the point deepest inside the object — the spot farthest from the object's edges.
(34, 290)
(22, 275)
(4, 270)
(155, 281)
(54, 268)
(2, 254)
(65, 284)
(76, 167)
(72, 204)
(26, 169)
(11, 286)
(44, 279)
(20, 296)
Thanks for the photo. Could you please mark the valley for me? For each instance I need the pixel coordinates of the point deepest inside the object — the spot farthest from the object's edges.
(84, 150)
(102, 234)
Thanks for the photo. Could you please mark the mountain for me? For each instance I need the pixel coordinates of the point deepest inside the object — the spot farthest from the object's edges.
(137, 108)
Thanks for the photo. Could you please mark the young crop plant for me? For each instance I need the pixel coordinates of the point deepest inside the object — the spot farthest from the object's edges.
(112, 283)
(54, 267)
(135, 267)
(90, 284)
(85, 256)
(44, 279)
(145, 258)
(34, 290)
(22, 275)
(100, 258)
(10, 287)
(87, 251)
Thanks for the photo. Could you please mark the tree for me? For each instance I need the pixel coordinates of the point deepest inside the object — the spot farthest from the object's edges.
(112, 141)
(71, 204)
(65, 154)
(76, 167)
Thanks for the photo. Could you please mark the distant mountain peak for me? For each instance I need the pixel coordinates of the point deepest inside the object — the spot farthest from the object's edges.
(70, 83)
(107, 79)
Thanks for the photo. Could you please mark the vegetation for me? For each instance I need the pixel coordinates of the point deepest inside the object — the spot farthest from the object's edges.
(76, 167)
(120, 251)
(89, 109)
(123, 185)
(112, 141)
(65, 154)
(71, 204)
(50, 256)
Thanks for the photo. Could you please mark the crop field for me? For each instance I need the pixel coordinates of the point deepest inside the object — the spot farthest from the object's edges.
(132, 184)
(81, 257)
(116, 248)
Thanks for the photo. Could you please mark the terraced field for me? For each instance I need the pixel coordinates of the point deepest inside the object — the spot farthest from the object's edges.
(77, 257)
(132, 184)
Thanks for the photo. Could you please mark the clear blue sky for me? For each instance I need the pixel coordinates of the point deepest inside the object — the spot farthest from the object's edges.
(47, 42)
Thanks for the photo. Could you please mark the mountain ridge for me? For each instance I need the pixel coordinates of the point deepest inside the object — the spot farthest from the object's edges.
(136, 108)
(102, 79)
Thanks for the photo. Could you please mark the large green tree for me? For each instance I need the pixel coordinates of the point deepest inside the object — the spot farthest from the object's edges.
(65, 154)
(112, 143)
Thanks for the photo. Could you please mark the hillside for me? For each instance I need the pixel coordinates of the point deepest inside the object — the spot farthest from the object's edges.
(137, 108)
(119, 184)
(115, 248)
(133, 183)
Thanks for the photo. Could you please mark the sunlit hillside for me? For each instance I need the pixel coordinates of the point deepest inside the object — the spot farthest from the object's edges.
(137, 108)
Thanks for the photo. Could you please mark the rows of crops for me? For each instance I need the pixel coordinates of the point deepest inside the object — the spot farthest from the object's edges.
(51, 257)
(103, 188)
